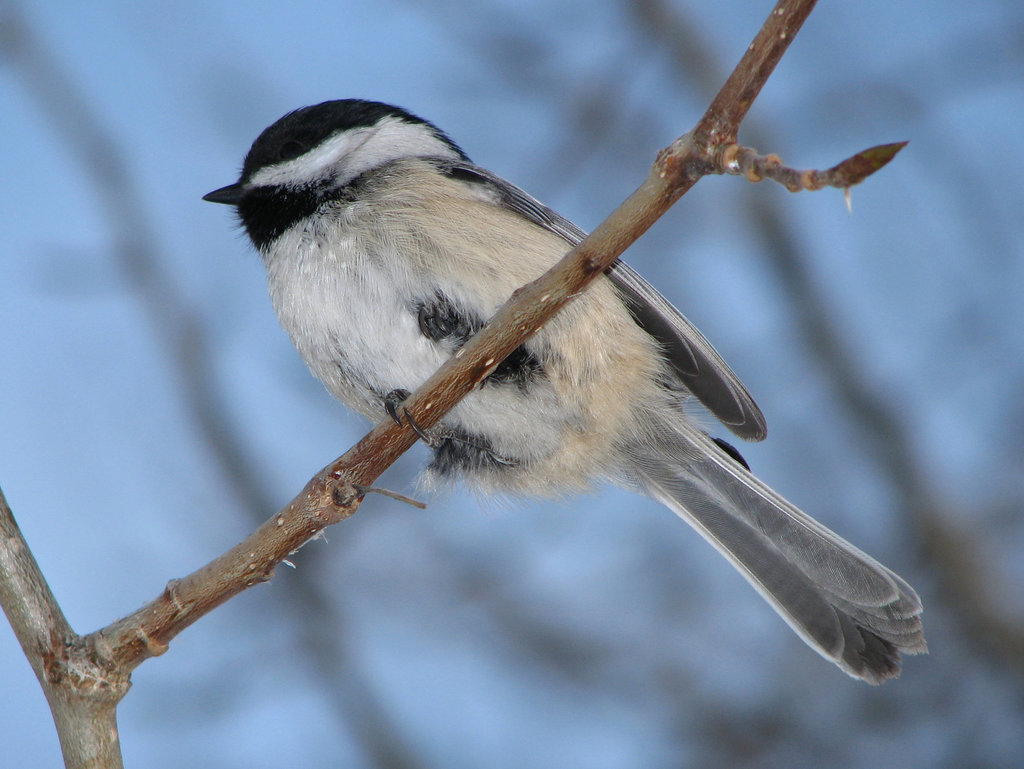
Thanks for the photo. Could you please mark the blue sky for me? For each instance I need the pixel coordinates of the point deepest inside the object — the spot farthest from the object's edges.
(596, 631)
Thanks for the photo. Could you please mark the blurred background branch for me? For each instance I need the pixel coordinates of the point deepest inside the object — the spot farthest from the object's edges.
(536, 634)
(180, 330)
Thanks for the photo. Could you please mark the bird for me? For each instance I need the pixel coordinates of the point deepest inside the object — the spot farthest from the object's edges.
(386, 248)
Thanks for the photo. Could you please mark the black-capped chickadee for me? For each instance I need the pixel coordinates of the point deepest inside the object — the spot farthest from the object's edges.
(386, 248)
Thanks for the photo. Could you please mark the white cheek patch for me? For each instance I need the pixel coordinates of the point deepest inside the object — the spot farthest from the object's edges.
(393, 138)
(346, 155)
(315, 164)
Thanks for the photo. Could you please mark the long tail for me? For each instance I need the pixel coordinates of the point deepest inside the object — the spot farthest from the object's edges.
(843, 603)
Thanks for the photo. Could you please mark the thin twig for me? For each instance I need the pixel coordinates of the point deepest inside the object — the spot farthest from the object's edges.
(755, 167)
(364, 490)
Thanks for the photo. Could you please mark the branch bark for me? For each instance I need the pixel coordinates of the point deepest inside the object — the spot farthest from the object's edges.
(81, 688)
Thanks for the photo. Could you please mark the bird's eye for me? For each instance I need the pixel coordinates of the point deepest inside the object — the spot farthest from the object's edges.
(291, 149)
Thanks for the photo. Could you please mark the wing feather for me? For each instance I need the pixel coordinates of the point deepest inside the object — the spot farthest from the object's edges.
(842, 602)
(696, 364)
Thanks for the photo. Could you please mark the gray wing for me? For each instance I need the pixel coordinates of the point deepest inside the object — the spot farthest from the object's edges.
(697, 364)
(699, 368)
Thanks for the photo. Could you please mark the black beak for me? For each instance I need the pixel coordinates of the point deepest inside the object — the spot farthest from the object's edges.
(230, 195)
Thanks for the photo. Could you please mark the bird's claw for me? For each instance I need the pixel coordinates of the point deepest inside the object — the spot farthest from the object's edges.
(391, 403)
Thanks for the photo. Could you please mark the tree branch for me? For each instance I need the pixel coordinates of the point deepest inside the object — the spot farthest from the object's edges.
(81, 689)
(722, 119)
(107, 656)
(331, 495)
(31, 609)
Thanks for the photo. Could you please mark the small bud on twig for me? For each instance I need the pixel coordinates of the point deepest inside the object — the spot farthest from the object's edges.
(734, 159)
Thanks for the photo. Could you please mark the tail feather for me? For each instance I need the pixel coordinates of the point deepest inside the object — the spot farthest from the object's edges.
(843, 603)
